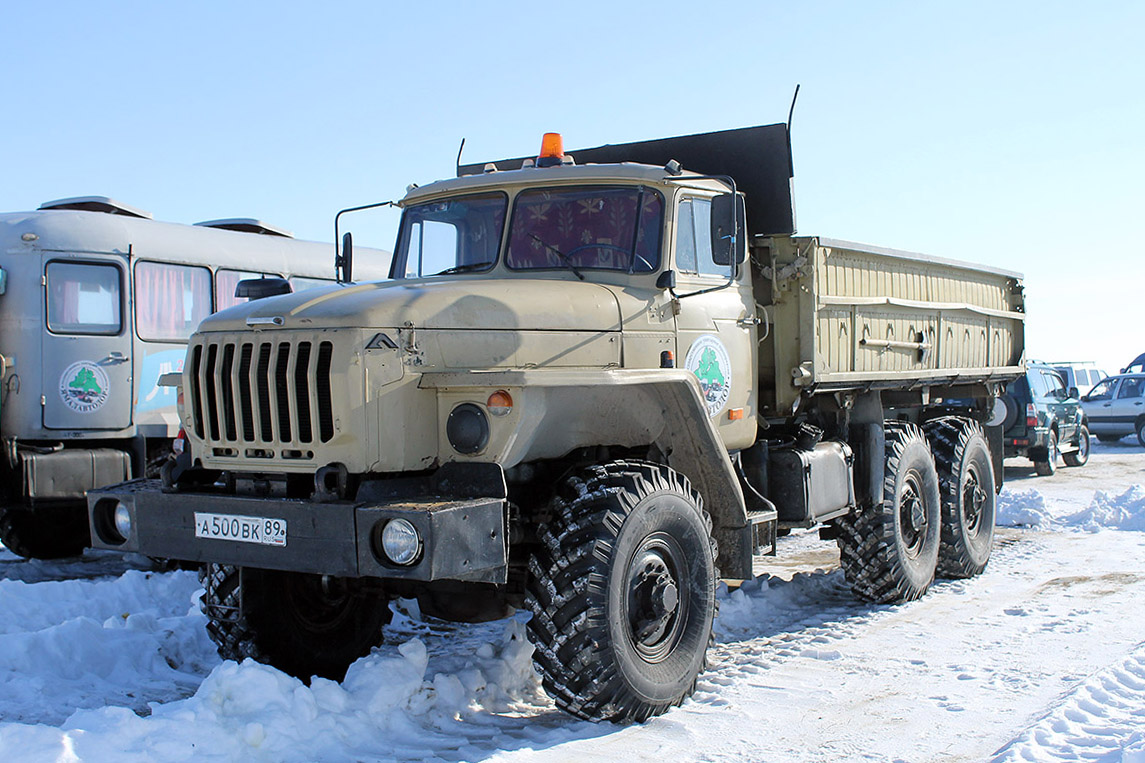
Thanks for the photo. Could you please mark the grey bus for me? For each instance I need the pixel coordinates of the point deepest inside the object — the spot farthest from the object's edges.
(97, 301)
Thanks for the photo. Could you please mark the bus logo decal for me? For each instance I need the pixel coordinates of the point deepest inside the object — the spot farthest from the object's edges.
(83, 387)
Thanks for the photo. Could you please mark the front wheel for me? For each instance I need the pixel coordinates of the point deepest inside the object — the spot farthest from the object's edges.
(304, 625)
(622, 592)
(1141, 432)
(889, 551)
(1081, 455)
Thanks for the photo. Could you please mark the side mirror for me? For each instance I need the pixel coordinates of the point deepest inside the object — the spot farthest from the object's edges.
(344, 262)
(728, 223)
(261, 288)
(667, 280)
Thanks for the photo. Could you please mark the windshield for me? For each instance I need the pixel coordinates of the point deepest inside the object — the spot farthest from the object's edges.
(451, 236)
(586, 228)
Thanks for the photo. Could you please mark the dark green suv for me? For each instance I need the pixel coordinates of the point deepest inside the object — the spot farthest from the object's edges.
(1043, 420)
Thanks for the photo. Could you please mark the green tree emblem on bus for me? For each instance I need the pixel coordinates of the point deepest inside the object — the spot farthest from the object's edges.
(85, 383)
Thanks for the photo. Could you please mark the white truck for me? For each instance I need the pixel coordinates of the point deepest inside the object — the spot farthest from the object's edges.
(592, 387)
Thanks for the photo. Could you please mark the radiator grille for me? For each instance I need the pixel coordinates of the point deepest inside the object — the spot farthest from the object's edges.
(262, 393)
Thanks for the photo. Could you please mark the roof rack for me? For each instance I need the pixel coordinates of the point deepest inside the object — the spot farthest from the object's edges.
(97, 204)
(246, 225)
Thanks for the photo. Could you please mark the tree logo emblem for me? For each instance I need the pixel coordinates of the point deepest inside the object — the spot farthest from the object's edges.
(708, 360)
(84, 387)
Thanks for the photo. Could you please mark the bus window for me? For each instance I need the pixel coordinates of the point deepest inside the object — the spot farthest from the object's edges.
(227, 280)
(299, 283)
(170, 300)
(83, 299)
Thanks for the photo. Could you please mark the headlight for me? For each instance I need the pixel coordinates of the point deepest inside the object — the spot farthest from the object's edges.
(122, 518)
(400, 542)
(467, 429)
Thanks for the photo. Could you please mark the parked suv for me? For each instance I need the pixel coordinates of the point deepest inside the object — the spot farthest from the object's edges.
(1043, 419)
(1082, 374)
(1116, 407)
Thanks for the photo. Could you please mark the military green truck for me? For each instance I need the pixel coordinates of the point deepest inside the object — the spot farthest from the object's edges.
(596, 384)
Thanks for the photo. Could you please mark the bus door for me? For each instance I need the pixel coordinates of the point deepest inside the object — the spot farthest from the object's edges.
(86, 341)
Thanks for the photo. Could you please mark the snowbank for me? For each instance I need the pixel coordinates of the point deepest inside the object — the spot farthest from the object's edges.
(1107, 510)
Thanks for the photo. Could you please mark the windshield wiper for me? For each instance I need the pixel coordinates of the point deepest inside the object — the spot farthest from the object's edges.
(466, 268)
(564, 257)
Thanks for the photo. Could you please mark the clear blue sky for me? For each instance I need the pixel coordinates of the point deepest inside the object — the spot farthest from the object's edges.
(1006, 133)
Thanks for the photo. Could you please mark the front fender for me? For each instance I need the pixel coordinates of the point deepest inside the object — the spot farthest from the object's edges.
(557, 411)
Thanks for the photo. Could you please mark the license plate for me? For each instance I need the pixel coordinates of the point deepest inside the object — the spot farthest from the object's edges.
(264, 530)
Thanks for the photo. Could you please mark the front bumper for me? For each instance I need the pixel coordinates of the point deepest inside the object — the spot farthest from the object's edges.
(462, 538)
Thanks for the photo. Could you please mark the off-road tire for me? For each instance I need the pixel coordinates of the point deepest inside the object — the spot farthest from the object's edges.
(622, 592)
(302, 624)
(966, 486)
(45, 532)
(1080, 456)
(1049, 466)
(889, 551)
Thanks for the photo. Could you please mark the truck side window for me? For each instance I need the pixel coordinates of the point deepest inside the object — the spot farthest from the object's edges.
(693, 241)
(170, 300)
(300, 283)
(83, 299)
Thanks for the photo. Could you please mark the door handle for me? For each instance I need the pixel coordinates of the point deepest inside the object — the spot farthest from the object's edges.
(116, 357)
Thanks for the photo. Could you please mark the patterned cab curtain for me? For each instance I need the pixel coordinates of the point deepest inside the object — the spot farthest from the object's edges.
(592, 227)
(170, 300)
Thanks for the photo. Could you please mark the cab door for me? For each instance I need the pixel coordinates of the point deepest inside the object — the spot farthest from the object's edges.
(715, 332)
(86, 342)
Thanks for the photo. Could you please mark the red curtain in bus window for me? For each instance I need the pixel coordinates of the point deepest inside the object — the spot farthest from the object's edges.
(159, 311)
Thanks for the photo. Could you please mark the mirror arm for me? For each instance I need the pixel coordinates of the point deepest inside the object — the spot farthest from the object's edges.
(338, 260)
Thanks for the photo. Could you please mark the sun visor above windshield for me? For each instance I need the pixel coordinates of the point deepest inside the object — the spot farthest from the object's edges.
(759, 158)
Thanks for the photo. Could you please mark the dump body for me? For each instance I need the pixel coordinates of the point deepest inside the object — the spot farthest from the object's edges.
(847, 316)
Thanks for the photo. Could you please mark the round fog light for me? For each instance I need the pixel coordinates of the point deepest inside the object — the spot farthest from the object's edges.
(400, 542)
(122, 517)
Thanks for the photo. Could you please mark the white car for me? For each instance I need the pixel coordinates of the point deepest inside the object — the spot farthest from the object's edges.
(1116, 407)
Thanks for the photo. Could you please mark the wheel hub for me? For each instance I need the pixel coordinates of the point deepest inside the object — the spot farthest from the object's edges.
(912, 515)
(654, 598)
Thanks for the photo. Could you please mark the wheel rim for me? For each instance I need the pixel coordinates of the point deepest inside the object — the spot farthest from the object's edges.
(912, 514)
(974, 499)
(319, 603)
(656, 609)
(1083, 445)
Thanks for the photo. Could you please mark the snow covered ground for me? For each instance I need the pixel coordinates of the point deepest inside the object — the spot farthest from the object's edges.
(1041, 658)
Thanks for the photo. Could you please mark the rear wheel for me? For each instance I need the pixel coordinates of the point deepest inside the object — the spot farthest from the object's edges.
(966, 486)
(1108, 438)
(45, 532)
(1049, 465)
(889, 552)
(1081, 455)
(1141, 432)
(305, 625)
(622, 592)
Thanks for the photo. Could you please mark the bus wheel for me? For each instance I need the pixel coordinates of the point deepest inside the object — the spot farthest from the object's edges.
(53, 532)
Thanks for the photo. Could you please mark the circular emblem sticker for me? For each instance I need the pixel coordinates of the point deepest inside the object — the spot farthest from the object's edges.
(708, 360)
(83, 387)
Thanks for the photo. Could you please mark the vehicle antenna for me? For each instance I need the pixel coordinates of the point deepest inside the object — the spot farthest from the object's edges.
(459, 150)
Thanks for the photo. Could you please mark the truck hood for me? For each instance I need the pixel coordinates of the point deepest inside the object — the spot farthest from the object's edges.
(462, 303)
